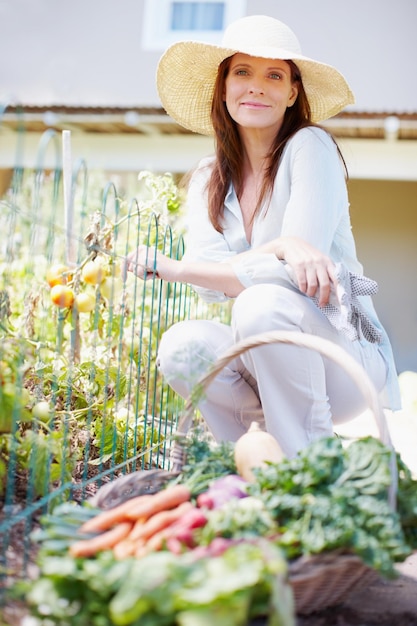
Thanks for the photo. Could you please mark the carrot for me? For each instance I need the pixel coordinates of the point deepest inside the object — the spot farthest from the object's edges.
(105, 541)
(164, 500)
(154, 543)
(177, 536)
(159, 521)
(124, 549)
(107, 519)
(141, 551)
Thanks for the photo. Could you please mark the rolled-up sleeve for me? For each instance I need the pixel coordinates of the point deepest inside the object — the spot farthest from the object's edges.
(309, 201)
(260, 268)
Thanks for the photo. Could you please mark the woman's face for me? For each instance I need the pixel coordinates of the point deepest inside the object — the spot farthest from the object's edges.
(258, 92)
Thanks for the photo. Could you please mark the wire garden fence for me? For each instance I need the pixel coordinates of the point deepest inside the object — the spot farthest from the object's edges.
(81, 401)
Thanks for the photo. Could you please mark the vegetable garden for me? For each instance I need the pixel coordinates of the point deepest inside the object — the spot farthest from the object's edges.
(82, 406)
(80, 397)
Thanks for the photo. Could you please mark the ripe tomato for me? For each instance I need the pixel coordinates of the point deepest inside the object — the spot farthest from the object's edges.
(84, 302)
(57, 274)
(93, 272)
(62, 296)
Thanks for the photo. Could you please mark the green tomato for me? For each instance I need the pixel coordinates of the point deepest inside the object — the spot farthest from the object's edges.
(111, 288)
(42, 411)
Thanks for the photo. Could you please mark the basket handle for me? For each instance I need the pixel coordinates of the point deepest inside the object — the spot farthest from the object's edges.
(323, 346)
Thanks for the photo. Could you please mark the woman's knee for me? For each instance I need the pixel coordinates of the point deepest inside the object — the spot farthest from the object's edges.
(263, 308)
(187, 349)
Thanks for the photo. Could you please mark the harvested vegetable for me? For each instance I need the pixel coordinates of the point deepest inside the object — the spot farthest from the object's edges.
(178, 536)
(222, 490)
(195, 569)
(255, 449)
(107, 519)
(166, 499)
(152, 533)
(165, 588)
(128, 527)
(330, 497)
(205, 462)
(141, 507)
(237, 519)
(144, 530)
(104, 541)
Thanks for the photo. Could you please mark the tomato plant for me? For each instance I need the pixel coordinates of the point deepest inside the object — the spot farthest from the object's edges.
(57, 274)
(79, 391)
(93, 272)
(62, 296)
(84, 302)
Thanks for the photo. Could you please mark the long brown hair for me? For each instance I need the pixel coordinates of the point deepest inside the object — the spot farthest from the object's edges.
(228, 165)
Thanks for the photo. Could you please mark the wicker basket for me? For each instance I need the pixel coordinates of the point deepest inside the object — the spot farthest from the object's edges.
(327, 579)
(323, 580)
(319, 581)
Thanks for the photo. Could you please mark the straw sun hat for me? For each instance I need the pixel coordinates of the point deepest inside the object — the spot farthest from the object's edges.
(187, 71)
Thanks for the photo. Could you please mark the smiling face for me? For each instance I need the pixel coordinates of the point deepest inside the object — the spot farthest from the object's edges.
(258, 92)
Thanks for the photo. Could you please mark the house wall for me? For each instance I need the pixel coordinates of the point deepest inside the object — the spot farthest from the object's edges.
(91, 52)
(384, 222)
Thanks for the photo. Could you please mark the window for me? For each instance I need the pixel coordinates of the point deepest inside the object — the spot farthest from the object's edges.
(167, 21)
(197, 16)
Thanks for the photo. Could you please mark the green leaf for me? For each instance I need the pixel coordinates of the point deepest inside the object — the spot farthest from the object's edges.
(135, 597)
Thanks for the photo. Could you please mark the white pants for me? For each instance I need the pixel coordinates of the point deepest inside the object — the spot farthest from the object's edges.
(299, 393)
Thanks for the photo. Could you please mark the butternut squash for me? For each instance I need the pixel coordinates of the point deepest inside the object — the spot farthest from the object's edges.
(253, 449)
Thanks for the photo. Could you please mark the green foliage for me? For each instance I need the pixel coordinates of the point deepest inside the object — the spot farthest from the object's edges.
(205, 461)
(330, 497)
(15, 354)
(94, 370)
(407, 502)
(163, 588)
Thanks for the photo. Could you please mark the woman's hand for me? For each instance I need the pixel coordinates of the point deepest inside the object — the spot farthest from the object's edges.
(142, 262)
(147, 262)
(313, 270)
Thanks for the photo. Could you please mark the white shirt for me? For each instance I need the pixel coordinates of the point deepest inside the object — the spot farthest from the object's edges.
(309, 200)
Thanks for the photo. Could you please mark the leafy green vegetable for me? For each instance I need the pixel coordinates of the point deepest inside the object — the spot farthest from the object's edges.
(407, 502)
(334, 497)
(205, 462)
(238, 519)
(330, 497)
(166, 589)
(59, 529)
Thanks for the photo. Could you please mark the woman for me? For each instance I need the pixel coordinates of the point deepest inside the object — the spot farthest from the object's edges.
(269, 226)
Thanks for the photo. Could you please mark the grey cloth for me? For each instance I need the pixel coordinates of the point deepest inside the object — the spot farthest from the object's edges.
(344, 310)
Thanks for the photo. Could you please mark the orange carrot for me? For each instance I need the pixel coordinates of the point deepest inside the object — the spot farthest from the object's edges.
(154, 543)
(124, 549)
(107, 519)
(164, 500)
(159, 521)
(105, 541)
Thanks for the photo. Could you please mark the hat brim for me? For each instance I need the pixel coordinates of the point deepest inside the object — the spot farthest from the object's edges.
(187, 72)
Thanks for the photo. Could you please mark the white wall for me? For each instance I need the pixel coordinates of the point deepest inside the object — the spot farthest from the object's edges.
(372, 42)
(365, 158)
(88, 52)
